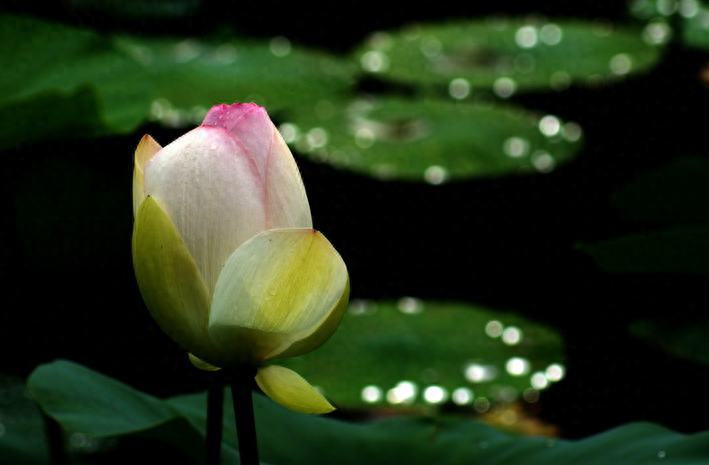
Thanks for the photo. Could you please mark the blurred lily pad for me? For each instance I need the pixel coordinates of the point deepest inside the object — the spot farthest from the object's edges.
(507, 55)
(70, 392)
(414, 352)
(188, 75)
(59, 78)
(430, 140)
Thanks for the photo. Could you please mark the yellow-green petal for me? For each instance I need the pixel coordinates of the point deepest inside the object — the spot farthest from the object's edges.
(201, 364)
(169, 281)
(289, 389)
(144, 152)
(282, 288)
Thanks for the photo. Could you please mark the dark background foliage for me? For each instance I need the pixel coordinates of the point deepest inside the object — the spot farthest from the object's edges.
(508, 243)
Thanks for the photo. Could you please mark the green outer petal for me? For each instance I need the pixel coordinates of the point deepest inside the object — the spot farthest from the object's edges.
(282, 293)
(201, 364)
(291, 390)
(169, 281)
(144, 152)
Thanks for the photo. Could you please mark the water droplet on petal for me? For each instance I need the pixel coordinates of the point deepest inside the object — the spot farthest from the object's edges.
(667, 7)
(364, 137)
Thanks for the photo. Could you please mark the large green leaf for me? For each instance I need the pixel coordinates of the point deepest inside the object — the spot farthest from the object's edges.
(508, 55)
(61, 80)
(47, 64)
(188, 75)
(93, 404)
(288, 438)
(430, 140)
(415, 352)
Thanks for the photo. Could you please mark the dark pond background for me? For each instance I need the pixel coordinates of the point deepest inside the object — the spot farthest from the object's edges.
(508, 243)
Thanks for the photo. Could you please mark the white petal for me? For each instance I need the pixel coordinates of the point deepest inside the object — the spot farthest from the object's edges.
(210, 188)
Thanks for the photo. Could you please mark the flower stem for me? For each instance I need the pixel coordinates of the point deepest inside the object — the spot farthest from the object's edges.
(215, 421)
(241, 384)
